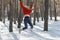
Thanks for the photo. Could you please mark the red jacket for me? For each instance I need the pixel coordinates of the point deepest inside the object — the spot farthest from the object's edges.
(26, 10)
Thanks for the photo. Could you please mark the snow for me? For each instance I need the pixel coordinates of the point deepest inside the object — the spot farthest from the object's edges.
(53, 32)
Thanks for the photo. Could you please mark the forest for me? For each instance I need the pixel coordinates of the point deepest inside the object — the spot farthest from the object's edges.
(42, 11)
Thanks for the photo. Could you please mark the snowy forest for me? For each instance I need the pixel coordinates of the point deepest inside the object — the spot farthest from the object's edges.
(45, 18)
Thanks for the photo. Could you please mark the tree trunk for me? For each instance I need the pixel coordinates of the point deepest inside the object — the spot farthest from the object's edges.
(15, 12)
(37, 15)
(50, 11)
(8, 11)
(3, 14)
(0, 10)
(11, 17)
(34, 12)
(20, 18)
(46, 16)
(42, 13)
(42, 9)
(55, 14)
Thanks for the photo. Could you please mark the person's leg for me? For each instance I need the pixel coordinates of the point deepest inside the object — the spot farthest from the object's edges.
(25, 23)
(30, 23)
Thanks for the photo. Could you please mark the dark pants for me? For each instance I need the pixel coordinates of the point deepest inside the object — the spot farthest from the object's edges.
(27, 20)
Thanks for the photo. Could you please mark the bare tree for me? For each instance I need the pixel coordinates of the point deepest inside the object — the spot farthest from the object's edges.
(20, 18)
(15, 11)
(55, 14)
(11, 17)
(34, 11)
(3, 13)
(42, 10)
(50, 11)
(0, 10)
(37, 10)
(8, 11)
(37, 15)
(46, 16)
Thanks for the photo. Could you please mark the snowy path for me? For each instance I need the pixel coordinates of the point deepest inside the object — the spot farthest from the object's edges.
(36, 34)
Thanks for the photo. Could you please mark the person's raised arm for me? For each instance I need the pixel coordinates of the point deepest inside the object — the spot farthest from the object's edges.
(31, 5)
(21, 4)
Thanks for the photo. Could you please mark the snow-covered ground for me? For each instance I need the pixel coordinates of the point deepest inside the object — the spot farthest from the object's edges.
(37, 34)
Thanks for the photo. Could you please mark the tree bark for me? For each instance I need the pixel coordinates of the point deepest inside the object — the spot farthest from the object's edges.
(46, 16)
(20, 18)
(0, 10)
(50, 11)
(42, 10)
(55, 14)
(11, 17)
(34, 12)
